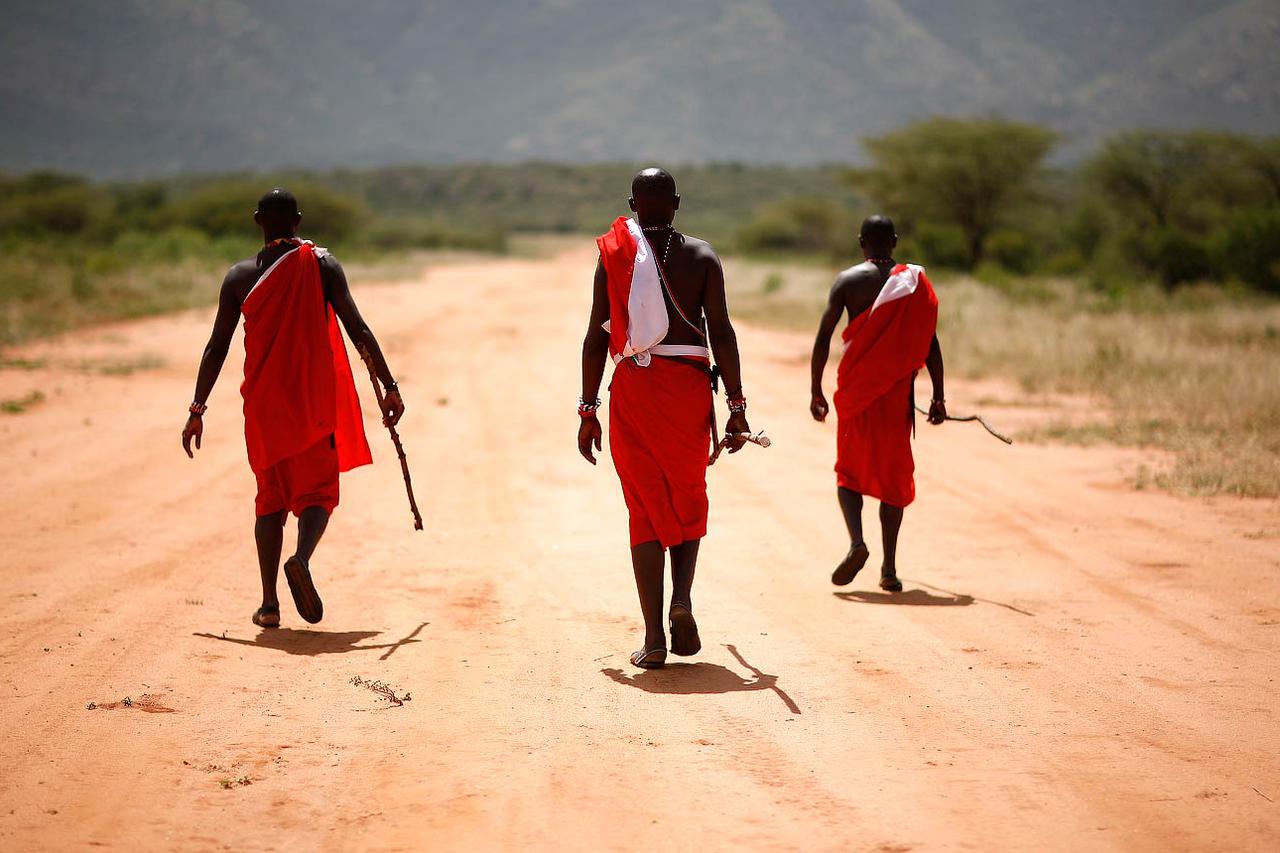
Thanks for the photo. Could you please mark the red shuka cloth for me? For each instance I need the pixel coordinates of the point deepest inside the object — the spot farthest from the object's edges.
(659, 419)
(660, 439)
(297, 384)
(884, 348)
(618, 255)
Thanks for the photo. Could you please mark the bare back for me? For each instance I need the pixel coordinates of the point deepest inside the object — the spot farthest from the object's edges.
(690, 265)
(858, 286)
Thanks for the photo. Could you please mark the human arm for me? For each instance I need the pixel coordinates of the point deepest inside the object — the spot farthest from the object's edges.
(724, 344)
(938, 402)
(595, 349)
(211, 361)
(822, 350)
(338, 294)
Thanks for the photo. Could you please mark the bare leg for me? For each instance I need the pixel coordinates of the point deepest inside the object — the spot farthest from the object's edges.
(890, 523)
(684, 629)
(297, 569)
(684, 560)
(311, 524)
(648, 560)
(851, 507)
(268, 532)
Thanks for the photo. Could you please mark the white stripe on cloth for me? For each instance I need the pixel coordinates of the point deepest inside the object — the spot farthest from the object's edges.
(669, 351)
(901, 284)
(269, 271)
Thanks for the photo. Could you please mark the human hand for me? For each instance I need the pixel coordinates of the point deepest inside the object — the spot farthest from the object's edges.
(392, 407)
(589, 433)
(937, 411)
(818, 407)
(193, 430)
(737, 423)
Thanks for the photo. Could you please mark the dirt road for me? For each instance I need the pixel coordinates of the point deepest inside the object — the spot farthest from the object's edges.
(1074, 664)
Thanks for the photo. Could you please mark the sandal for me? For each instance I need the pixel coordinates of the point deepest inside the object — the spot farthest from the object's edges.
(684, 630)
(851, 565)
(650, 658)
(305, 597)
(265, 612)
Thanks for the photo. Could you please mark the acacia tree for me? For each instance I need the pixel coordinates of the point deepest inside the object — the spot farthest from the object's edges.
(968, 173)
(1153, 175)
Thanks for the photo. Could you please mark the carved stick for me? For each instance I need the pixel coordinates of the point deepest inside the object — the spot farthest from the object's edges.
(395, 436)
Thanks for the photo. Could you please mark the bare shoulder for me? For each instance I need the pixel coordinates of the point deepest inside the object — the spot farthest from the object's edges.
(859, 285)
(327, 260)
(241, 277)
(700, 250)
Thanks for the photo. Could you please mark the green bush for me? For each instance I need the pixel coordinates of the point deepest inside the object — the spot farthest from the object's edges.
(62, 210)
(1016, 251)
(940, 246)
(227, 207)
(1249, 247)
(1174, 256)
(808, 225)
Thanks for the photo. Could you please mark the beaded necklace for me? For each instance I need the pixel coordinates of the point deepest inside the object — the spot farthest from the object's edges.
(671, 232)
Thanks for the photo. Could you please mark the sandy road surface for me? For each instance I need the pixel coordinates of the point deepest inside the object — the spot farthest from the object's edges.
(1074, 664)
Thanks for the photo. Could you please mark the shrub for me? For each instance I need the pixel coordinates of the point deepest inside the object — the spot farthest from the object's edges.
(1249, 247)
(1013, 250)
(811, 225)
(938, 245)
(227, 207)
(1173, 256)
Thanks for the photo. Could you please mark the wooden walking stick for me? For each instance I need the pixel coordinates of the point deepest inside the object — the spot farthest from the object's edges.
(395, 436)
(979, 418)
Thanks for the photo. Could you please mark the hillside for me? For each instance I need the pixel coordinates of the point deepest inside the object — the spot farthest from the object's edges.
(162, 86)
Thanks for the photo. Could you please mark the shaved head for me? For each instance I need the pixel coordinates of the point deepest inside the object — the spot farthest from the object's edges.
(277, 213)
(653, 197)
(278, 201)
(653, 182)
(877, 235)
(878, 231)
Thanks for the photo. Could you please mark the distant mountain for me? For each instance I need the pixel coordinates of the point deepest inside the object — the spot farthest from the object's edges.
(136, 87)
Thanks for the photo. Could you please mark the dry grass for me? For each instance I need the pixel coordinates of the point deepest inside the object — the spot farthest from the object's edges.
(43, 293)
(1195, 372)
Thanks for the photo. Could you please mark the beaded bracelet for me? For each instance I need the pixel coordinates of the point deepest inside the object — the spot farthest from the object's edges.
(587, 410)
(737, 404)
(197, 409)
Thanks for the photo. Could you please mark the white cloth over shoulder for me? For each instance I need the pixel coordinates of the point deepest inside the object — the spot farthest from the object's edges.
(648, 322)
(902, 283)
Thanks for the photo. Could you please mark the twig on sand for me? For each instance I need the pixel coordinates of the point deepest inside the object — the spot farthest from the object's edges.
(382, 689)
(1260, 794)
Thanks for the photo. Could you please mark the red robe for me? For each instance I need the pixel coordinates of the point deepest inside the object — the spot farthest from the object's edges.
(297, 387)
(885, 346)
(659, 415)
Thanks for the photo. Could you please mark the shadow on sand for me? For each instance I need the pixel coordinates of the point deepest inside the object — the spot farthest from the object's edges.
(916, 597)
(301, 641)
(702, 678)
(924, 598)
